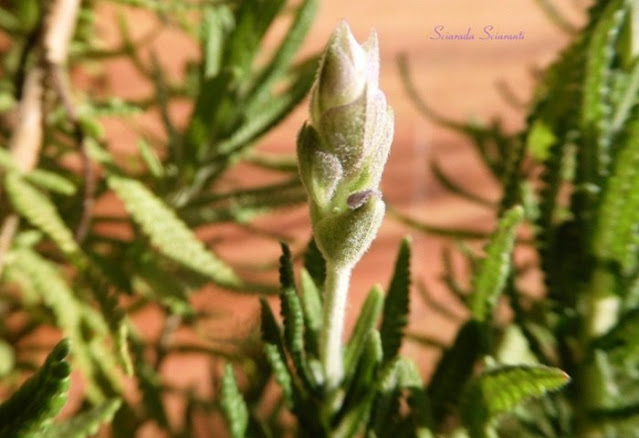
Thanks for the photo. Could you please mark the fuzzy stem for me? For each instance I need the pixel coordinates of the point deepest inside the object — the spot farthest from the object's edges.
(336, 293)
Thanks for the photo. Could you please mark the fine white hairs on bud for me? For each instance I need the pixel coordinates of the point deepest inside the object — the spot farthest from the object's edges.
(344, 147)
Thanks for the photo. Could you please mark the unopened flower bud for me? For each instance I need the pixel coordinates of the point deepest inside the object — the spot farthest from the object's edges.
(343, 150)
(343, 74)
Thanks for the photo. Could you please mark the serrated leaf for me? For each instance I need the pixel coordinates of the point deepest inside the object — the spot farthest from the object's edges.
(293, 317)
(41, 212)
(31, 408)
(396, 304)
(233, 405)
(595, 107)
(276, 355)
(489, 281)
(168, 233)
(501, 389)
(44, 279)
(366, 321)
(616, 235)
(455, 368)
(86, 423)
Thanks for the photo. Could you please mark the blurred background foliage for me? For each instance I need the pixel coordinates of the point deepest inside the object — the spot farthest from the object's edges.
(94, 234)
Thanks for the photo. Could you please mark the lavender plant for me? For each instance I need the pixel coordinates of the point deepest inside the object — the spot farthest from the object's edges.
(498, 378)
(358, 390)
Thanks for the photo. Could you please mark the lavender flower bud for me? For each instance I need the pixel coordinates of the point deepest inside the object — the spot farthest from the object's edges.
(343, 149)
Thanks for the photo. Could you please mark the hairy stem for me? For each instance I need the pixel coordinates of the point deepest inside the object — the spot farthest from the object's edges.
(336, 292)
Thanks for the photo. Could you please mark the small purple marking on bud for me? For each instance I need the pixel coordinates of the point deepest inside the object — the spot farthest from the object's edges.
(357, 199)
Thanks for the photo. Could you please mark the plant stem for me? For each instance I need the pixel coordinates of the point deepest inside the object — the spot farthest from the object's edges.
(336, 292)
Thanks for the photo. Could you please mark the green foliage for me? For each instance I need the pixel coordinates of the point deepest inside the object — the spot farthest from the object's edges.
(233, 405)
(572, 168)
(84, 424)
(40, 211)
(571, 172)
(490, 278)
(375, 380)
(366, 321)
(166, 232)
(74, 261)
(397, 303)
(29, 411)
(500, 390)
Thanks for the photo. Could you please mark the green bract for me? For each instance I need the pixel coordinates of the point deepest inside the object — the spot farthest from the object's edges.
(343, 148)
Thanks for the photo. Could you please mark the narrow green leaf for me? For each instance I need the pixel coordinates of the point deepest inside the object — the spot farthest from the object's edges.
(436, 230)
(315, 264)
(116, 318)
(420, 413)
(595, 107)
(275, 354)
(283, 56)
(293, 317)
(41, 212)
(272, 161)
(243, 206)
(45, 280)
(366, 321)
(44, 179)
(489, 281)
(312, 305)
(616, 235)
(361, 393)
(280, 373)
(150, 158)
(455, 368)
(216, 24)
(277, 109)
(233, 405)
(29, 411)
(149, 383)
(86, 423)
(51, 181)
(455, 188)
(396, 305)
(168, 233)
(501, 389)
(628, 94)
(253, 18)
(387, 402)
